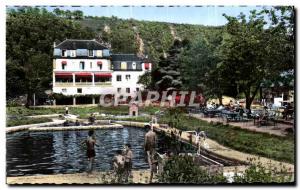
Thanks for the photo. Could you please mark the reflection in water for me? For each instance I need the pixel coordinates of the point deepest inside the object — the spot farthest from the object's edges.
(30, 153)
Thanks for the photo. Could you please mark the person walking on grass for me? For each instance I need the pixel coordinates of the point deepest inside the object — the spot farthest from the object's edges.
(90, 152)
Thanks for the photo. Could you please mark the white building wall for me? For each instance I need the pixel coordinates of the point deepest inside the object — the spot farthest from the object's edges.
(130, 83)
(86, 90)
(73, 65)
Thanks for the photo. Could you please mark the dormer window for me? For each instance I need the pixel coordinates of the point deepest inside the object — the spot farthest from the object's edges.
(134, 65)
(73, 53)
(64, 53)
(91, 53)
(123, 65)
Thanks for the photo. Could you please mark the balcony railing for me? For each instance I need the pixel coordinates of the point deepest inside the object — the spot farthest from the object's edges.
(102, 83)
(68, 84)
(83, 83)
(63, 84)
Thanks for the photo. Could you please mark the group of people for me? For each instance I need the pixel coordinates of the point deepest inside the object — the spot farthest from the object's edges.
(122, 161)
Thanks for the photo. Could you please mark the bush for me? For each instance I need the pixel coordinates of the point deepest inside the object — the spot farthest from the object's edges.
(181, 169)
(261, 174)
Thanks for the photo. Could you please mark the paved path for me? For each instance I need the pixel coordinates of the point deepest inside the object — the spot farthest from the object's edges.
(139, 177)
(25, 127)
(279, 130)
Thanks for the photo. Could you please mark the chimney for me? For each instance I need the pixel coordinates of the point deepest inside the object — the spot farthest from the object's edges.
(54, 44)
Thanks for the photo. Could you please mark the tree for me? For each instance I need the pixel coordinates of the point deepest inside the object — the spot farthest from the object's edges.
(30, 36)
(248, 55)
(168, 71)
(78, 15)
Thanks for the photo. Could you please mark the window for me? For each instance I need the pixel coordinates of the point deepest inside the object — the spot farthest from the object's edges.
(119, 77)
(64, 53)
(81, 65)
(137, 89)
(128, 90)
(64, 90)
(134, 65)
(99, 53)
(127, 77)
(91, 64)
(91, 53)
(123, 65)
(119, 90)
(73, 53)
(63, 66)
(79, 90)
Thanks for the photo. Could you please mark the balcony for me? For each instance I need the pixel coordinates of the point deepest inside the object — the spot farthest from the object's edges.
(102, 83)
(63, 84)
(83, 83)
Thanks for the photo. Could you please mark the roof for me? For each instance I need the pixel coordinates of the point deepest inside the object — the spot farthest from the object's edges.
(125, 57)
(80, 44)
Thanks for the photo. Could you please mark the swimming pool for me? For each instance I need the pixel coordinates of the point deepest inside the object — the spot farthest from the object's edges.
(36, 153)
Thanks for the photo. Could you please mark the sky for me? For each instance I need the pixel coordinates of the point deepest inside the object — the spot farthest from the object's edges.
(204, 15)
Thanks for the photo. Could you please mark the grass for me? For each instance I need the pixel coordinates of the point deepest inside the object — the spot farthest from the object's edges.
(262, 144)
(81, 111)
(25, 121)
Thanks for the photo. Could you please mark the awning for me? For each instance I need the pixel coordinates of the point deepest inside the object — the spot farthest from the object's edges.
(147, 65)
(64, 62)
(99, 62)
(64, 74)
(84, 74)
(103, 74)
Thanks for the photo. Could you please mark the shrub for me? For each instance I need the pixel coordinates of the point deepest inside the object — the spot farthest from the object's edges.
(181, 169)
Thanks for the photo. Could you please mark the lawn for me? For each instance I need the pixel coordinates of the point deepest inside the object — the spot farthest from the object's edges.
(262, 144)
(25, 121)
(81, 111)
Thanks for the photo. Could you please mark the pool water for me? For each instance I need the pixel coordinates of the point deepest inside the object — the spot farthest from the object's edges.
(36, 153)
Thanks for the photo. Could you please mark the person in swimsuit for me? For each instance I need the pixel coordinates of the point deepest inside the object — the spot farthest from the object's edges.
(128, 161)
(90, 152)
(118, 163)
(150, 144)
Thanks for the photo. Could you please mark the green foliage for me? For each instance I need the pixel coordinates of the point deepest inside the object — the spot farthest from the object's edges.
(181, 169)
(259, 173)
(253, 51)
(25, 121)
(31, 33)
(168, 68)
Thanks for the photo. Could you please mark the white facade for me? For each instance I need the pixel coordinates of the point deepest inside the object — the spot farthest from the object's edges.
(127, 86)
